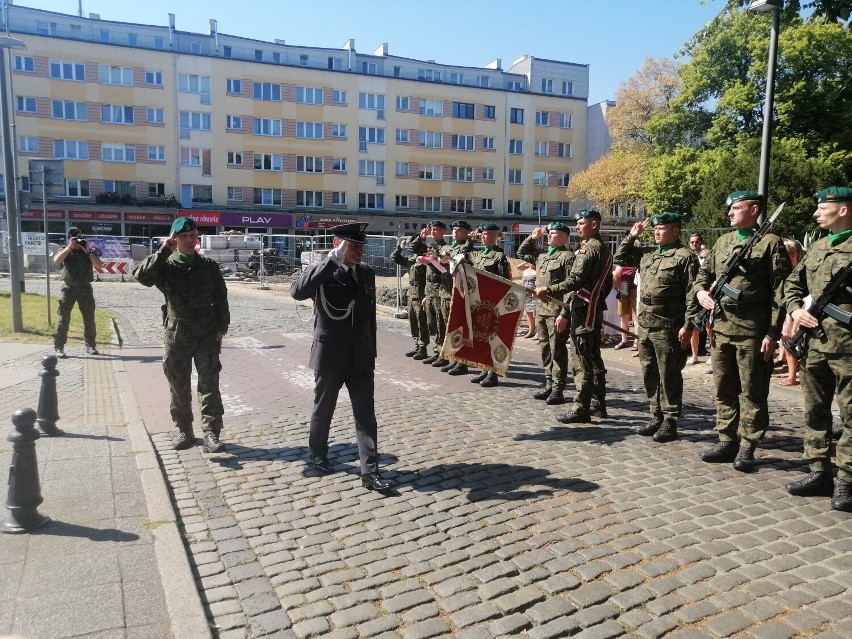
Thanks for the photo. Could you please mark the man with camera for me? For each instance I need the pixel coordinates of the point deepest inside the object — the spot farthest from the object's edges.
(76, 259)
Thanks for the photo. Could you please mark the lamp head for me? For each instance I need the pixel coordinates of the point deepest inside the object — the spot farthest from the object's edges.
(765, 6)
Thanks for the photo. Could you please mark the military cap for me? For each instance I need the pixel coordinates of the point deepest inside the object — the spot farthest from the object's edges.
(591, 214)
(834, 194)
(669, 217)
(461, 224)
(738, 196)
(355, 232)
(439, 224)
(488, 226)
(183, 224)
(74, 232)
(558, 226)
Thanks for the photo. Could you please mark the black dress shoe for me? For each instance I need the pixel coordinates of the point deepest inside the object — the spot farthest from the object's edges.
(819, 484)
(430, 360)
(372, 481)
(722, 453)
(183, 440)
(321, 464)
(212, 443)
(574, 417)
(544, 393)
(666, 433)
(479, 378)
(842, 498)
(458, 369)
(650, 428)
(489, 381)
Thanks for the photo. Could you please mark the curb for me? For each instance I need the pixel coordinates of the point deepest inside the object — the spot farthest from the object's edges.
(186, 612)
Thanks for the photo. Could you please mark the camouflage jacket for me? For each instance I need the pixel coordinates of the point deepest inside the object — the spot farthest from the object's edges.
(437, 283)
(195, 293)
(551, 272)
(811, 275)
(666, 282)
(590, 279)
(77, 268)
(416, 272)
(493, 261)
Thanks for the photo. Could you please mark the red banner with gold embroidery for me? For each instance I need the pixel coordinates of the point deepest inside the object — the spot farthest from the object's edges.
(484, 315)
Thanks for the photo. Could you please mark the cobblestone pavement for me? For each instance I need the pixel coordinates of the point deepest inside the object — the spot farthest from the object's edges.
(504, 523)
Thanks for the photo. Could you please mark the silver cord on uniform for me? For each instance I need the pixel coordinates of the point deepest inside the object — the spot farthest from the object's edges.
(346, 312)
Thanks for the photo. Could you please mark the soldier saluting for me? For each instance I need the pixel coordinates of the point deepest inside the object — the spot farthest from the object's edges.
(416, 291)
(826, 369)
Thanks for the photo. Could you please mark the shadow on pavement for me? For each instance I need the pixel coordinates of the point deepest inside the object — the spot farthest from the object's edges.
(593, 433)
(63, 529)
(66, 435)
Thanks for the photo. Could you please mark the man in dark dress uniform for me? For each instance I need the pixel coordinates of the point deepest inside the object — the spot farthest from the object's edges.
(344, 347)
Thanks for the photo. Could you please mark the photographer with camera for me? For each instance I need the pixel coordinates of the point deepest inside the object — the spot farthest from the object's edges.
(76, 259)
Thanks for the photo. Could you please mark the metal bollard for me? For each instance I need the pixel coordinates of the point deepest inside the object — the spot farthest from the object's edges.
(24, 488)
(48, 404)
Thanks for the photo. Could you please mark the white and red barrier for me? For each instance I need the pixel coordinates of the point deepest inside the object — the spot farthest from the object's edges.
(114, 268)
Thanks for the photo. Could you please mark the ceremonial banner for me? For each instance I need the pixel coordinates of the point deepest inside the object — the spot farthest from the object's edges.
(484, 315)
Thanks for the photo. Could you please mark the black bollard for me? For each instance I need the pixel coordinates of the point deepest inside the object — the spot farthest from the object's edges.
(48, 404)
(24, 488)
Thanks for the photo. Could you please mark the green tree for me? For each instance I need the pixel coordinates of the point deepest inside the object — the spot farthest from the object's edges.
(673, 180)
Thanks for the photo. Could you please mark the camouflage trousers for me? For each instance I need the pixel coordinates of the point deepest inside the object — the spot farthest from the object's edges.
(83, 296)
(741, 376)
(437, 314)
(826, 376)
(662, 360)
(418, 322)
(588, 365)
(554, 350)
(186, 342)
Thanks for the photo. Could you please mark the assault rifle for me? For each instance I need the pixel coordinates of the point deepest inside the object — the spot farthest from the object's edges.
(821, 308)
(734, 266)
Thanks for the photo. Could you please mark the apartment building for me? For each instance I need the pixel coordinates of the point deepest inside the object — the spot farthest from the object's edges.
(152, 122)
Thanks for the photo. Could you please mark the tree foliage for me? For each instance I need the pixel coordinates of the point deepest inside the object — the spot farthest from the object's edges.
(616, 177)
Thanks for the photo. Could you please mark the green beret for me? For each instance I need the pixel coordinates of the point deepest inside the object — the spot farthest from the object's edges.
(74, 232)
(355, 232)
(183, 224)
(738, 196)
(439, 224)
(669, 217)
(831, 194)
(592, 214)
(558, 226)
(488, 226)
(461, 224)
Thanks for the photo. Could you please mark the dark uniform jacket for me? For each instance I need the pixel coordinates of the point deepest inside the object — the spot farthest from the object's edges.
(77, 268)
(344, 316)
(551, 270)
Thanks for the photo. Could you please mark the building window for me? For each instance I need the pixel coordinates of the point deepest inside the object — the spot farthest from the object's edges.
(159, 43)
(401, 169)
(516, 176)
(402, 201)
(430, 204)
(430, 172)
(122, 76)
(488, 174)
(267, 162)
(77, 188)
(235, 158)
(193, 83)
(202, 193)
(489, 112)
(431, 139)
(132, 38)
(369, 68)
(26, 105)
(71, 149)
(309, 198)
(403, 103)
(335, 64)
(516, 147)
(227, 51)
(338, 164)
(66, 110)
(461, 173)
(432, 107)
(276, 57)
(233, 122)
(154, 78)
(542, 118)
(461, 205)
(483, 81)
(563, 209)
(567, 88)
(539, 207)
(157, 153)
(371, 201)
(430, 75)
(462, 142)
(233, 85)
(541, 149)
(397, 71)
(309, 130)
(371, 135)
(119, 187)
(338, 96)
(565, 120)
(266, 91)
(24, 63)
(516, 116)
(463, 110)
(235, 194)
(338, 130)
(564, 150)
(307, 95)
(309, 164)
(116, 114)
(46, 28)
(195, 48)
(488, 142)
(402, 135)
(563, 179)
(338, 198)
(61, 70)
(487, 204)
(267, 197)
(104, 34)
(190, 157)
(513, 207)
(118, 152)
(540, 178)
(546, 85)
(455, 78)
(373, 101)
(371, 168)
(27, 144)
(266, 126)
(156, 189)
(193, 120)
(156, 116)
(303, 60)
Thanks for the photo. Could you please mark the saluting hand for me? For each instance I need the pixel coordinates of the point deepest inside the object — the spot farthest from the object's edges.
(639, 228)
(171, 242)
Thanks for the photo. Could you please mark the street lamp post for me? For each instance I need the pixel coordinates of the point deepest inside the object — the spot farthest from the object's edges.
(11, 186)
(774, 7)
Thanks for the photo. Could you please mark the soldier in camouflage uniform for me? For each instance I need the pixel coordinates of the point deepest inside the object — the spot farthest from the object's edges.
(590, 279)
(76, 259)
(552, 267)
(195, 318)
(432, 301)
(745, 332)
(416, 292)
(827, 369)
(491, 259)
(668, 274)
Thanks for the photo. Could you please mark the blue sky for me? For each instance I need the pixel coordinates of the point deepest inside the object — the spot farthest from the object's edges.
(612, 36)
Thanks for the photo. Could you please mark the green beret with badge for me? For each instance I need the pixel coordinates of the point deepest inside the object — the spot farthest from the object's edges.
(461, 224)
(438, 224)
(739, 196)
(831, 194)
(488, 226)
(668, 217)
(590, 214)
(183, 225)
(558, 226)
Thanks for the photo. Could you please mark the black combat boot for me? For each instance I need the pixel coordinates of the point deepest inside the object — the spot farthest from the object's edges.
(574, 417)
(489, 381)
(448, 367)
(478, 378)
(650, 428)
(440, 363)
(842, 498)
(183, 440)
(556, 396)
(430, 360)
(420, 354)
(666, 433)
(212, 443)
(544, 391)
(818, 484)
(412, 352)
(458, 369)
(721, 453)
(744, 461)
(598, 409)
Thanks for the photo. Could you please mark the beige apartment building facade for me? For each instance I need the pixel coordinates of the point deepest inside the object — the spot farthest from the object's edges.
(150, 122)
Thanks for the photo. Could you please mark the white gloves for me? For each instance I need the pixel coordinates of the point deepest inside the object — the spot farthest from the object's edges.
(337, 253)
